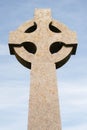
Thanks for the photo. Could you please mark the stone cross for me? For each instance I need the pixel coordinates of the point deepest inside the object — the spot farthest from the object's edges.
(43, 45)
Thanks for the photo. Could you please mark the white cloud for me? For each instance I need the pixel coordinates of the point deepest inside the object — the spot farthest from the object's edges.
(14, 106)
(13, 96)
(73, 94)
(73, 105)
(4, 49)
(81, 126)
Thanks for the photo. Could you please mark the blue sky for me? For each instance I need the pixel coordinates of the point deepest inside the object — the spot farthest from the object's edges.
(15, 79)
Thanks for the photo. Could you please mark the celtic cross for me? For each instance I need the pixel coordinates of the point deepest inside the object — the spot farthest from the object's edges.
(43, 45)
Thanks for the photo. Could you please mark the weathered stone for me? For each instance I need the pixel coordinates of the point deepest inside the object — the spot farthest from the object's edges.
(43, 45)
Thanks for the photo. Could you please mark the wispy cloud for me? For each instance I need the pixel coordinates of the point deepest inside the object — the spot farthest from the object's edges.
(14, 107)
(73, 105)
(4, 49)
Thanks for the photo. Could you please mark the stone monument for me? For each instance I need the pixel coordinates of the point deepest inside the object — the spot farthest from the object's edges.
(43, 45)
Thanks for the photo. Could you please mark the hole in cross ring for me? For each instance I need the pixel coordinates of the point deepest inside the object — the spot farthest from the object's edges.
(55, 47)
(30, 47)
(53, 28)
(32, 28)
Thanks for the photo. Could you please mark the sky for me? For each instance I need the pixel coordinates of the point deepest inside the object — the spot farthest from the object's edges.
(71, 78)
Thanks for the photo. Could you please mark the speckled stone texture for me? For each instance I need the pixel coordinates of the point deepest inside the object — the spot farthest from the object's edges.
(44, 108)
(43, 45)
